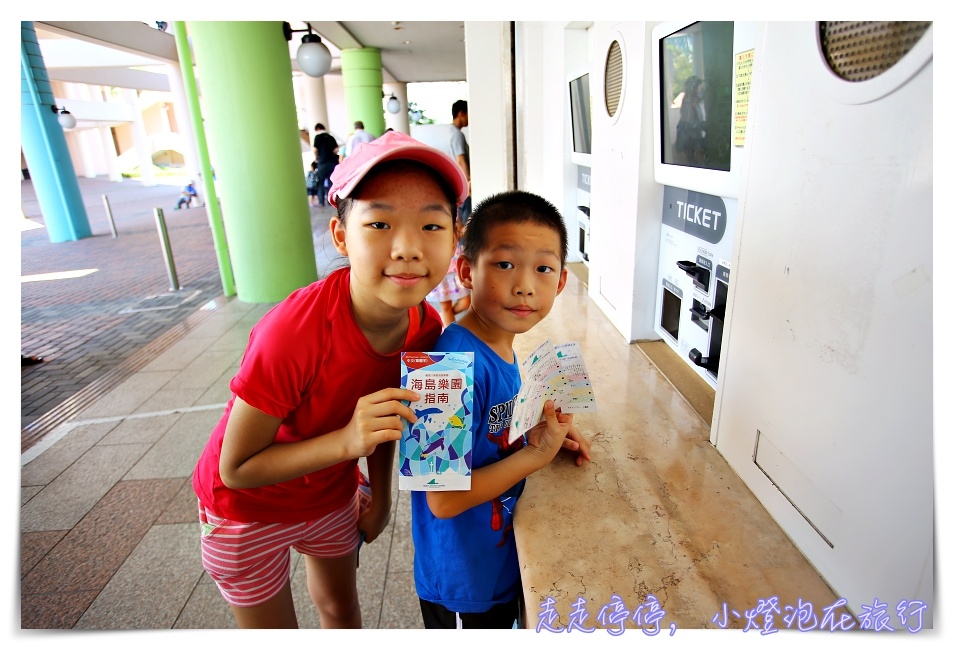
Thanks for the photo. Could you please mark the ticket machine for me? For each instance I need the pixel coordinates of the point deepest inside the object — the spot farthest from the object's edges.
(694, 254)
(697, 149)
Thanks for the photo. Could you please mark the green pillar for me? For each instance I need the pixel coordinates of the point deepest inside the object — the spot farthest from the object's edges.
(208, 185)
(248, 105)
(363, 85)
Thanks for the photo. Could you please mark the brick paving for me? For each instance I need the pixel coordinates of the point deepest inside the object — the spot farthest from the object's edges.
(81, 326)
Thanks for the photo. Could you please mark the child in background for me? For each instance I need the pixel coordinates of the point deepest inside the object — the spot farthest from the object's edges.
(314, 393)
(311, 184)
(465, 556)
(450, 295)
(186, 196)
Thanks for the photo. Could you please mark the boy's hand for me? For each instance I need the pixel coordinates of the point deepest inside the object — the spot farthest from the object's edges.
(378, 418)
(575, 441)
(547, 438)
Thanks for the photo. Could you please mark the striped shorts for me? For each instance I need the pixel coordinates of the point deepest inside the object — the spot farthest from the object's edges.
(251, 562)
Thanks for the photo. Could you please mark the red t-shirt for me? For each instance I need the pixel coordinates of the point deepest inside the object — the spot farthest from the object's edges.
(307, 362)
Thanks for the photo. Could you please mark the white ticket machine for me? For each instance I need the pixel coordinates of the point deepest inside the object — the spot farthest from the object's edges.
(694, 253)
(700, 88)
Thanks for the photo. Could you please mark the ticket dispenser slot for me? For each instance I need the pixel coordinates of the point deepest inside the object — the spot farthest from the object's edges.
(699, 314)
(716, 319)
(584, 232)
(699, 274)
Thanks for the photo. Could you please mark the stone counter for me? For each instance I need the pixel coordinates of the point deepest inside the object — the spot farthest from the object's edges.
(657, 512)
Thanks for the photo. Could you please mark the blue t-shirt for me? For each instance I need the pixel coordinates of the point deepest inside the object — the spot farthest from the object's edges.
(468, 563)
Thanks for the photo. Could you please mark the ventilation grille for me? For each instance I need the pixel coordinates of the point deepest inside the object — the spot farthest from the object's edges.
(613, 78)
(858, 51)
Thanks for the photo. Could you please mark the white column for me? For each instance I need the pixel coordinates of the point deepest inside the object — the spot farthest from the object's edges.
(143, 146)
(82, 141)
(89, 147)
(183, 120)
(397, 121)
(489, 108)
(109, 153)
(314, 103)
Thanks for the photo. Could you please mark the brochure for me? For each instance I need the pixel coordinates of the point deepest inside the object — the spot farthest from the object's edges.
(435, 452)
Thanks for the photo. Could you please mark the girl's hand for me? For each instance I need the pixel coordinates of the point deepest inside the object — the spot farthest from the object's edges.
(378, 418)
(373, 521)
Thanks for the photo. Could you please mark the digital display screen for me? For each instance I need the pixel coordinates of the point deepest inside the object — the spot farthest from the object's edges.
(580, 114)
(696, 65)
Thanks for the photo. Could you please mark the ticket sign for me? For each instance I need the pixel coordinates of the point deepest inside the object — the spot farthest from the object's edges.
(702, 216)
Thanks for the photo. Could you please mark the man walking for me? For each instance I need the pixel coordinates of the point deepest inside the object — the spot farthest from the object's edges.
(460, 150)
(359, 137)
(326, 156)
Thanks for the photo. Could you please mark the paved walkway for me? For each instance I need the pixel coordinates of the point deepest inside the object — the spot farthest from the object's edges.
(94, 330)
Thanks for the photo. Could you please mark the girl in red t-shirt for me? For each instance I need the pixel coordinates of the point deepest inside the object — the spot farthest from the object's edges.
(315, 392)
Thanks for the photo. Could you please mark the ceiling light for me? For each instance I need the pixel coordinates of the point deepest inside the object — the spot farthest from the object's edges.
(66, 120)
(394, 105)
(313, 56)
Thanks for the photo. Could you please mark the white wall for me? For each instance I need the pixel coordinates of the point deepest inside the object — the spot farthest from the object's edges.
(829, 348)
(625, 201)
(543, 165)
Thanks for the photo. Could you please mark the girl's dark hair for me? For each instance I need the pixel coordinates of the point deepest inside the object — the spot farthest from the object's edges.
(345, 204)
(511, 207)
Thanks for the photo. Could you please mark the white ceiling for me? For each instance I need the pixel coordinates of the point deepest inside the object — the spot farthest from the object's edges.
(103, 52)
(411, 51)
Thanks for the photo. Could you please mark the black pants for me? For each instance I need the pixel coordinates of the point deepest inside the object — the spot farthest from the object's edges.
(499, 617)
(324, 172)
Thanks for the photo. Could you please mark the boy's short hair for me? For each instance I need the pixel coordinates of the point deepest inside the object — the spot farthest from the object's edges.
(319, 127)
(515, 206)
(314, 165)
(460, 106)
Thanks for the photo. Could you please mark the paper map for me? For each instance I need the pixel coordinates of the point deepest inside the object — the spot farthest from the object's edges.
(435, 452)
(551, 372)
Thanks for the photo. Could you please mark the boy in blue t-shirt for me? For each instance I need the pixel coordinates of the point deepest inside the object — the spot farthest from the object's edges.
(186, 195)
(465, 556)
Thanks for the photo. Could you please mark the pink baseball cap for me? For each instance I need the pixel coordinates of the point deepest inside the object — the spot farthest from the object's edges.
(393, 145)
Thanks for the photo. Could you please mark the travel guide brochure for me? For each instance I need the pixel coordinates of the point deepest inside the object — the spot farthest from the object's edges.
(435, 451)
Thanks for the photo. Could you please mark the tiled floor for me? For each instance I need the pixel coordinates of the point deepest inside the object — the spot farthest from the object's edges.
(108, 526)
(108, 530)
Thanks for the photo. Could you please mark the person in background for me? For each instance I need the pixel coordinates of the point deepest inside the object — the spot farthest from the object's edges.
(312, 184)
(460, 150)
(358, 138)
(188, 193)
(450, 295)
(326, 157)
